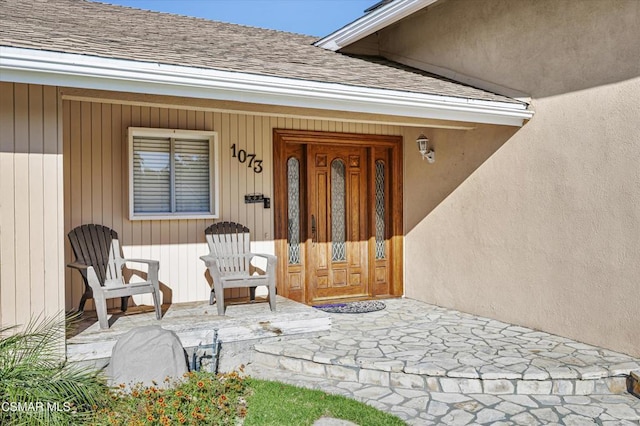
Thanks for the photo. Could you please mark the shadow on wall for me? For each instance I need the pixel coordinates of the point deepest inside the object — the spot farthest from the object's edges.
(458, 154)
(608, 33)
(543, 48)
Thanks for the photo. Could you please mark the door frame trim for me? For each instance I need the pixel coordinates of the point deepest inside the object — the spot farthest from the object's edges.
(282, 137)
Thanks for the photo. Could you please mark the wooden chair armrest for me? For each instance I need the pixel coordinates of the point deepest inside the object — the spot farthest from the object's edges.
(266, 256)
(154, 265)
(89, 273)
(208, 259)
(78, 265)
(152, 272)
(214, 260)
(212, 265)
(147, 261)
(271, 259)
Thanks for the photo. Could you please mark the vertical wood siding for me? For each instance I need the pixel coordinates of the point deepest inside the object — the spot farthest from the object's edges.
(31, 209)
(96, 176)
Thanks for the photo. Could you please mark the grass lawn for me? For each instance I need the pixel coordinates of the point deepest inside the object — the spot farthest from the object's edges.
(206, 399)
(278, 404)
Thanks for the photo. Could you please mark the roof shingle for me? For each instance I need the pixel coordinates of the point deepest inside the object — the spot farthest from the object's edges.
(97, 29)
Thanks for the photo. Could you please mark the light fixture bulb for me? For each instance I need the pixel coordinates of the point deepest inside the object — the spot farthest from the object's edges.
(423, 147)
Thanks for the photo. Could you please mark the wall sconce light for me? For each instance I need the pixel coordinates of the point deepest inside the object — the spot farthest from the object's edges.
(423, 147)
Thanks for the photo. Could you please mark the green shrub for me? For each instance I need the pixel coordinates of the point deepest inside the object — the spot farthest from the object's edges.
(37, 386)
(201, 398)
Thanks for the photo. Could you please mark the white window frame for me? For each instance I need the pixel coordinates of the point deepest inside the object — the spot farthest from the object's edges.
(214, 170)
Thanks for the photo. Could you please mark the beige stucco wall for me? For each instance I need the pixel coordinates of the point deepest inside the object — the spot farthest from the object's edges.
(31, 239)
(546, 232)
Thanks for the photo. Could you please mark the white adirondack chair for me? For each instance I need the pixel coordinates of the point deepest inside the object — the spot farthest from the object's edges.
(99, 260)
(229, 263)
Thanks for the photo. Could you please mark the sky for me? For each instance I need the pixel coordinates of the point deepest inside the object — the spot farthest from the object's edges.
(311, 17)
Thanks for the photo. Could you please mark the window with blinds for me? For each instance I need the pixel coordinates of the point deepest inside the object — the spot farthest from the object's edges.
(172, 174)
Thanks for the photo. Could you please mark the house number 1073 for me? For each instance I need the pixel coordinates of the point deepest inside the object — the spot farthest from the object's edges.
(244, 157)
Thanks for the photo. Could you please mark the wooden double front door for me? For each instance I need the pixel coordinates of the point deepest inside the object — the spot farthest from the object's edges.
(338, 211)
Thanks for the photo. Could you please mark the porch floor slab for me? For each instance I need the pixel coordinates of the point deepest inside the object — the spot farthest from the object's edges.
(195, 322)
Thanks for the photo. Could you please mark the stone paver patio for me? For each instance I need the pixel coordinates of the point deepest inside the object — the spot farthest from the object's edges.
(425, 364)
(430, 365)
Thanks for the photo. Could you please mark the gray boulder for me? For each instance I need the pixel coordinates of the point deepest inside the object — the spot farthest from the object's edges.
(146, 355)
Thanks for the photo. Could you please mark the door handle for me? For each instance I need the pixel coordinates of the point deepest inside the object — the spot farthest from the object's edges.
(314, 234)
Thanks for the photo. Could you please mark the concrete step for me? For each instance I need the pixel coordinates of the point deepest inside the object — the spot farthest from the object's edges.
(419, 407)
(196, 323)
(430, 378)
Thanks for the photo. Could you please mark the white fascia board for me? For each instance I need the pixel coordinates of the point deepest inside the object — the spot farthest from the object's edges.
(372, 22)
(90, 72)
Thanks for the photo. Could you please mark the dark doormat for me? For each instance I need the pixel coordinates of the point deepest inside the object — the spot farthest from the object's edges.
(352, 307)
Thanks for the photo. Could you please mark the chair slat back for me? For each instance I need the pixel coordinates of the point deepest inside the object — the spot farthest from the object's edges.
(228, 242)
(98, 246)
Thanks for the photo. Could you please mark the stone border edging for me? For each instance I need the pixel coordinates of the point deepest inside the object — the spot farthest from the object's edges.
(393, 373)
